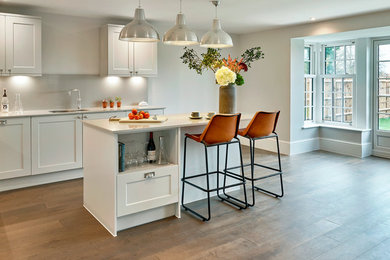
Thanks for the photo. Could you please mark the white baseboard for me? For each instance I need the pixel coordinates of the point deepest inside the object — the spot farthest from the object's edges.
(304, 146)
(34, 180)
(269, 145)
(381, 153)
(346, 148)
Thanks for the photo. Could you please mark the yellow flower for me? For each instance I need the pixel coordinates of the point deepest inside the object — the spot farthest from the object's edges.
(225, 76)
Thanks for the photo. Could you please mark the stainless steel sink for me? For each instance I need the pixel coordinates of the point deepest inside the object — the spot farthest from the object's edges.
(67, 110)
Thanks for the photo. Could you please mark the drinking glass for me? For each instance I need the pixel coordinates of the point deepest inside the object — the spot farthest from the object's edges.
(18, 104)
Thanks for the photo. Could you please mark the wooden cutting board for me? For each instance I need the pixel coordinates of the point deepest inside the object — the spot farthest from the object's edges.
(160, 119)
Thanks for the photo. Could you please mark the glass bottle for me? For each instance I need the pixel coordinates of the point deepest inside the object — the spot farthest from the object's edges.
(18, 104)
(162, 155)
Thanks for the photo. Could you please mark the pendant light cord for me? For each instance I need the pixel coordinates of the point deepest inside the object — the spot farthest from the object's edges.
(216, 11)
(139, 3)
(180, 6)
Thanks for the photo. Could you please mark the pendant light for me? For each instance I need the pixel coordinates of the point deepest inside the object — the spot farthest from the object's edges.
(139, 30)
(216, 38)
(180, 34)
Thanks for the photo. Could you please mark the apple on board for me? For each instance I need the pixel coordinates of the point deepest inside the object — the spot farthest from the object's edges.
(134, 111)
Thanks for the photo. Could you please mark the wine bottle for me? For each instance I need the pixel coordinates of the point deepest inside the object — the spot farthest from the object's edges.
(151, 149)
(4, 102)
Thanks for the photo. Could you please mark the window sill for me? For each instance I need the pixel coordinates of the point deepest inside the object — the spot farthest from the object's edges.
(349, 128)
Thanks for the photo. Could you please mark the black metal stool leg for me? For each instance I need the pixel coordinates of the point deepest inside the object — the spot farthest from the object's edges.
(230, 198)
(279, 173)
(252, 158)
(183, 180)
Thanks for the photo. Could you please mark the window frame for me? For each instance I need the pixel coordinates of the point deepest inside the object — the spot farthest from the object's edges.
(334, 76)
(313, 77)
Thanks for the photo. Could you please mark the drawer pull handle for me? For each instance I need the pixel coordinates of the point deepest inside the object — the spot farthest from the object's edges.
(149, 175)
(3, 122)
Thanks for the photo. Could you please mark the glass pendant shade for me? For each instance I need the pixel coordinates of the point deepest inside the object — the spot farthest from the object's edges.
(139, 30)
(216, 38)
(180, 34)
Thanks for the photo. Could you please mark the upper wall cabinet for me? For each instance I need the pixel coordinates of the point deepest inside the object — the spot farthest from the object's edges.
(2, 45)
(20, 45)
(120, 58)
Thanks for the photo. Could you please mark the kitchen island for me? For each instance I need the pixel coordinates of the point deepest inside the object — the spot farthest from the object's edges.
(145, 193)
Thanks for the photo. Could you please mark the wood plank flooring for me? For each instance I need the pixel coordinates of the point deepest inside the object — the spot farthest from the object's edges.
(335, 207)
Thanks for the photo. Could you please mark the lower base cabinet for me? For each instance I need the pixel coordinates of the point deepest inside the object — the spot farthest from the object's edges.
(56, 143)
(146, 189)
(15, 147)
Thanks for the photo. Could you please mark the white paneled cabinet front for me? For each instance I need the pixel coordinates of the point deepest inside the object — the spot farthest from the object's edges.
(2, 45)
(15, 159)
(122, 58)
(56, 143)
(23, 45)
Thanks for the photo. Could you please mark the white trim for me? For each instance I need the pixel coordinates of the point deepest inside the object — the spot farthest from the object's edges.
(381, 153)
(346, 148)
(341, 127)
(269, 145)
(34, 180)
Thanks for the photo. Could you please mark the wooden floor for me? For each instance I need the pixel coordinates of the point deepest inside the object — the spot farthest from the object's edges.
(335, 207)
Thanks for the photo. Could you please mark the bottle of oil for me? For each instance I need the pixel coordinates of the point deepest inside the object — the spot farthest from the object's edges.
(4, 102)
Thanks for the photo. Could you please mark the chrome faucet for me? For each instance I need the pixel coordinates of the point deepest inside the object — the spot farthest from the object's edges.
(78, 98)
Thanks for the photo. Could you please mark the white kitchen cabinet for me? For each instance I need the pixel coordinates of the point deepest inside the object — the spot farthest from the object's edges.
(23, 45)
(15, 148)
(145, 58)
(2, 45)
(92, 116)
(121, 58)
(159, 182)
(56, 143)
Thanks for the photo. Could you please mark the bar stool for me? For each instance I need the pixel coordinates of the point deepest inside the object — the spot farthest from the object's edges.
(262, 126)
(221, 130)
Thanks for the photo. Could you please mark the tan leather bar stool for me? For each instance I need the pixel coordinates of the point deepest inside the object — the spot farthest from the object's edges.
(221, 130)
(262, 126)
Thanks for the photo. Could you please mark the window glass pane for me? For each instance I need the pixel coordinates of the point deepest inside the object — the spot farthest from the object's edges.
(338, 114)
(338, 85)
(384, 69)
(350, 67)
(348, 86)
(347, 102)
(307, 53)
(348, 115)
(329, 53)
(308, 84)
(339, 52)
(308, 113)
(327, 114)
(307, 67)
(384, 87)
(329, 67)
(384, 122)
(384, 104)
(384, 52)
(350, 52)
(340, 67)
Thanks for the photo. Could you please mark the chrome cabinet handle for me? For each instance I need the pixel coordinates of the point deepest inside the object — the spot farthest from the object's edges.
(149, 175)
(136, 72)
(9, 70)
(1, 71)
(85, 117)
(78, 117)
(3, 122)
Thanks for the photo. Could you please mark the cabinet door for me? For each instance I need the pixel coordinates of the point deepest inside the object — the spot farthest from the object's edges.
(2, 45)
(23, 45)
(145, 58)
(15, 157)
(120, 54)
(56, 143)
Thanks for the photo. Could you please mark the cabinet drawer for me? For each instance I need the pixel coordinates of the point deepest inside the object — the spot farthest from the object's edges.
(147, 189)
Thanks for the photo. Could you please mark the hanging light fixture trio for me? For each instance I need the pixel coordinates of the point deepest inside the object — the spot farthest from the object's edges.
(139, 30)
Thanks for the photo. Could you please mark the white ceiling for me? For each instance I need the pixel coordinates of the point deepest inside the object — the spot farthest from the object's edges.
(238, 16)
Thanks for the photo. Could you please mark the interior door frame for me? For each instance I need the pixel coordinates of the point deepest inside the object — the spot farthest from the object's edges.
(380, 151)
